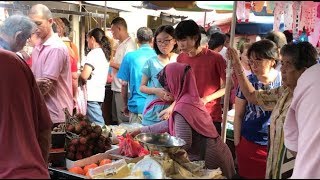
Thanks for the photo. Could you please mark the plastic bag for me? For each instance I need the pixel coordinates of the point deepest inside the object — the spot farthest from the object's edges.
(131, 148)
(81, 101)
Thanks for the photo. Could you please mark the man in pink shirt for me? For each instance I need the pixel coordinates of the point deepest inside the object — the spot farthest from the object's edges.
(51, 65)
(301, 130)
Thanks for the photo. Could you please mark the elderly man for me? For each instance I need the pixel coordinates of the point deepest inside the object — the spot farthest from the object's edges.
(301, 129)
(51, 65)
(131, 72)
(25, 123)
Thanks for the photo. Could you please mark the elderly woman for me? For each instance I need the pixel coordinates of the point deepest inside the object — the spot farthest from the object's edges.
(190, 121)
(295, 59)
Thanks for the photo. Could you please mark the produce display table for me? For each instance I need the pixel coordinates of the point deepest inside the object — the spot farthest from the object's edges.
(69, 154)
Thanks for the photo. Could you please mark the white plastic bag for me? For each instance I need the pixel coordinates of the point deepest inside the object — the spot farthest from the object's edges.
(81, 100)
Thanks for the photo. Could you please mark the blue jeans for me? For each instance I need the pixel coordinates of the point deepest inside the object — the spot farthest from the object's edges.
(94, 112)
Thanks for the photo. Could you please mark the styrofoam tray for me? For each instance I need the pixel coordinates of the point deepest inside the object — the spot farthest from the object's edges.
(92, 159)
(116, 164)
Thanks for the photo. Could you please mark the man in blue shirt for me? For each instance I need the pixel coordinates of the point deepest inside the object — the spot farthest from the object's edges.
(130, 72)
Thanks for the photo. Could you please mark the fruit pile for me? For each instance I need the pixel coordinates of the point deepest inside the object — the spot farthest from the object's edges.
(84, 139)
(84, 170)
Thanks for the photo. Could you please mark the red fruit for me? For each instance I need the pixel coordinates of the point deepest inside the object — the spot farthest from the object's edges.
(88, 137)
(78, 129)
(100, 144)
(75, 141)
(83, 140)
(84, 132)
(72, 148)
(83, 124)
(79, 156)
(70, 128)
(102, 138)
(88, 153)
(91, 147)
(70, 155)
(97, 129)
(93, 135)
(77, 170)
(90, 166)
(82, 147)
(89, 128)
(105, 161)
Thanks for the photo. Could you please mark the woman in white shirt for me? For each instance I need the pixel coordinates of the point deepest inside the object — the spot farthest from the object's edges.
(95, 73)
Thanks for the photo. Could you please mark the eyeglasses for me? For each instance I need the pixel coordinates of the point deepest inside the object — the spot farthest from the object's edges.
(165, 42)
(256, 62)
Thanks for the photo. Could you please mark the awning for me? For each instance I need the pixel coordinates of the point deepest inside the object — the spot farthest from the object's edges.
(126, 6)
(257, 25)
(218, 6)
(20, 6)
(255, 28)
(177, 5)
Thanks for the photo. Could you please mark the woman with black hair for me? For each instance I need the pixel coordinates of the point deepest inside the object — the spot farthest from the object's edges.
(216, 42)
(95, 73)
(156, 101)
(251, 132)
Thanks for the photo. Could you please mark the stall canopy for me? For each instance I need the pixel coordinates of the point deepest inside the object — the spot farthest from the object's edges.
(177, 5)
(255, 28)
(259, 25)
(218, 6)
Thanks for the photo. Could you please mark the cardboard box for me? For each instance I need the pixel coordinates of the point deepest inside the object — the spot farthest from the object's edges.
(92, 159)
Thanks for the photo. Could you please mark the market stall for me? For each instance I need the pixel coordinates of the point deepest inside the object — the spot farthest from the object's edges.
(107, 152)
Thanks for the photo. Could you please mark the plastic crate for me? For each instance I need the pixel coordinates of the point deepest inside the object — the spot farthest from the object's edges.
(58, 139)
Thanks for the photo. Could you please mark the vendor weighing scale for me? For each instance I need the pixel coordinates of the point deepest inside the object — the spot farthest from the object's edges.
(150, 166)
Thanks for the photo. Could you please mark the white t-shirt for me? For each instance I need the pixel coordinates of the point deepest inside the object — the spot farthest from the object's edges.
(96, 85)
(126, 46)
(223, 53)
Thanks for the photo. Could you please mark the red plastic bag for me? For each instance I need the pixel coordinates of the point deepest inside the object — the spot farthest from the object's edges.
(130, 148)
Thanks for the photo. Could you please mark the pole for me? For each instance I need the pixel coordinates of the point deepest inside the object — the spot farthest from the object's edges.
(205, 19)
(228, 76)
(105, 16)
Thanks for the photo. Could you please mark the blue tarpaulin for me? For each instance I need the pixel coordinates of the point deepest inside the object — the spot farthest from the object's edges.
(252, 28)
(260, 25)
